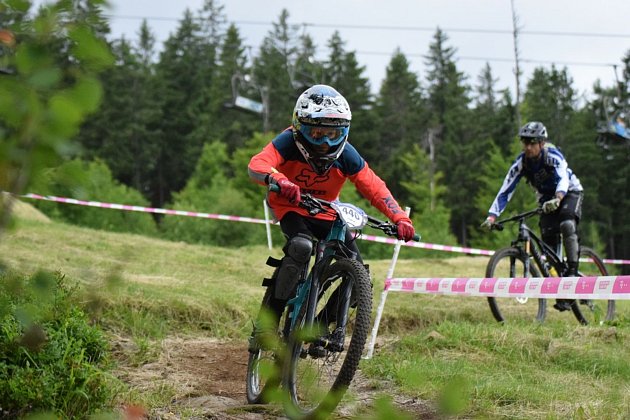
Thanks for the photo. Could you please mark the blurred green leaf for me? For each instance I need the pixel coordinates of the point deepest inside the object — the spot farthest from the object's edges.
(45, 78)
(92, 51)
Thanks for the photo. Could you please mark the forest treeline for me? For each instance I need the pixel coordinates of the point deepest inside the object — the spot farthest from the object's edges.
(168, 132)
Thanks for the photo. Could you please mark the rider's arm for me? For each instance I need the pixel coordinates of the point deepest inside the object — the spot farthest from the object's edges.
(507, 189)
(562, 171)
(262, 166)
(373, 189)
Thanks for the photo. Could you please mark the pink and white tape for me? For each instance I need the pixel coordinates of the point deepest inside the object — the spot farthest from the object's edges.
(424, 245)
(372, 238)
(602, 287)
(143, 209)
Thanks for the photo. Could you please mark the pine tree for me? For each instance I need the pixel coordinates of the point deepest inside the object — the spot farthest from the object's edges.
(123, 131)
(183, 73)
(343, 72)
(233, 125)
(399, 115)
(550, 99)
(273, 71)
(456, 141)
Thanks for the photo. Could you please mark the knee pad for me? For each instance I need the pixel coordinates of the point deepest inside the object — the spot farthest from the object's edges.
(568, 227)
(299, 248)
(570, 239)
(297, 254)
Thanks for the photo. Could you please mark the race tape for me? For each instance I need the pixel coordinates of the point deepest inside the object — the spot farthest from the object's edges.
(381, 239)
(143, 209)
(462, 250)
(598, 287)
(424, 245)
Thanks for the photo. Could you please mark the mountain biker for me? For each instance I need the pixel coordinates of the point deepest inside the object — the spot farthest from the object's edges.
(314, 156)
(558, 190)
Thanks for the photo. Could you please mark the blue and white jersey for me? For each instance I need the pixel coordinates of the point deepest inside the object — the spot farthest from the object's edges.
(548, 174)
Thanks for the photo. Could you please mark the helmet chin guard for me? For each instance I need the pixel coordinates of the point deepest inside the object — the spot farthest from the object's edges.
(319, 164)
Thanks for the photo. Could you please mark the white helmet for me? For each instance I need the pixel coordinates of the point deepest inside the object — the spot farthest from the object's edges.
(321, 123)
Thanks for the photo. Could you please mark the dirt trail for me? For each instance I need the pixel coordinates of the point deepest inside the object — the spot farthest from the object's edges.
(208, 379)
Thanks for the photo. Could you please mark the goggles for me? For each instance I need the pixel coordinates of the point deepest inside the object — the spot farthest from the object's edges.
(322, 134)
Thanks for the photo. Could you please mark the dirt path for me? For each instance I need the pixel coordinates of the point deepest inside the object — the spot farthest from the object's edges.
(207, 378)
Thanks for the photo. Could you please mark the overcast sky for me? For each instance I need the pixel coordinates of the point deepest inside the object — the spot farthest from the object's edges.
(586, 36)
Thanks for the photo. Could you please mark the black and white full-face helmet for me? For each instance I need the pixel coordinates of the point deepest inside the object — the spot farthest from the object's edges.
(533, 132)
(321, 123)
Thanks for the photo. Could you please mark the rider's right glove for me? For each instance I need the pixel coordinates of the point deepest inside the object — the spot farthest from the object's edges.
(288, 189)
(405, 230)
(551, 205)
(487, 224)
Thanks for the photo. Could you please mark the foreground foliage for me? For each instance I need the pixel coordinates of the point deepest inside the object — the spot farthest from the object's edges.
(51, 358)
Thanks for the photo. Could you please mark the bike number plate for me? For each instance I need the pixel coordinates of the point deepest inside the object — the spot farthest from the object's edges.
(353, 216)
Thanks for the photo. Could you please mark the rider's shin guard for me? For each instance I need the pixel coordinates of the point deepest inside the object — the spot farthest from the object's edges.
(571, 245)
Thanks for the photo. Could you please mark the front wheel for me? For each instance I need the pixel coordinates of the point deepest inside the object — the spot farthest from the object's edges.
(510, 263)
(326, 345)
(589, 311)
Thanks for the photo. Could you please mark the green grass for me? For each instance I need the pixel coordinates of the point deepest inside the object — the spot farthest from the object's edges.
(445, 349)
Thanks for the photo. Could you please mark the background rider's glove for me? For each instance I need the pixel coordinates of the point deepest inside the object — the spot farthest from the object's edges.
(487, 224)
(551, 205)
(405, 230)
(289, 190)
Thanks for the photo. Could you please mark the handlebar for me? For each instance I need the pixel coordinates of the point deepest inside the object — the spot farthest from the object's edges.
(498, 225)
(316, 205)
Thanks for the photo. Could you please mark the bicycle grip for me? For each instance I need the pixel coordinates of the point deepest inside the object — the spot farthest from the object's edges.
(497, 227)
(416, 237)
(274, 188)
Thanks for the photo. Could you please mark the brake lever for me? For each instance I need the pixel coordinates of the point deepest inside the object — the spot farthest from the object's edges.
(311, 205)
(497, 226)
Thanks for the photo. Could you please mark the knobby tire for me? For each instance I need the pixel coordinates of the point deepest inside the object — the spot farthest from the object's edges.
(591, 311)
(510, 262)
(330, 374)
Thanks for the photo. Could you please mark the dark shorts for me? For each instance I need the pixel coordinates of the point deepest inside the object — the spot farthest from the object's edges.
(293, 223)
(570, 209)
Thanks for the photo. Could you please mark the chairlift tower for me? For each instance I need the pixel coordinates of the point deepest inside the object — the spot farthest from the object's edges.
(247, 104)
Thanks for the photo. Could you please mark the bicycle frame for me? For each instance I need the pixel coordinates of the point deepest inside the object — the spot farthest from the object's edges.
(535, 247)
(326, 249)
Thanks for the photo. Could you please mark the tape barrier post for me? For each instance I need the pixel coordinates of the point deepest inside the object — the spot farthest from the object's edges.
(267, 224)
(381, 305)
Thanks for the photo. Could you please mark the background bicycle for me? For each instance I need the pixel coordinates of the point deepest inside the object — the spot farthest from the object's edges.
(312, 360)
(529, 256)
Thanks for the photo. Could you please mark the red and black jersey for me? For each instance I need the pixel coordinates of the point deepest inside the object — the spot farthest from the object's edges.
(282, 157)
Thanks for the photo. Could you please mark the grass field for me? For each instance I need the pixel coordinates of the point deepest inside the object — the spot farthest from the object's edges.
(446, 350)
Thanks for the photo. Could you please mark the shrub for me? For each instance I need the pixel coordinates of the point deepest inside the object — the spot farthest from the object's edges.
(93, 181)
(51, 358)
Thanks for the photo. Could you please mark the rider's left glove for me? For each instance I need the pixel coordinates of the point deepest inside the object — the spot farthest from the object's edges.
(406, 231)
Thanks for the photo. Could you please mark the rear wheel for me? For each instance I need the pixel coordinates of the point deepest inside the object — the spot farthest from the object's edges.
(510, 263)
(589, 311)
(325, 354)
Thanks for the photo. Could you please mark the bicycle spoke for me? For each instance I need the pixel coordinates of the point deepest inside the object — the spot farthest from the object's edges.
(326, 356)
(588, 311)
(510, 263)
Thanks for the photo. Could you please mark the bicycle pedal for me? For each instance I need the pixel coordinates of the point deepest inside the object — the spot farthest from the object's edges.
(316, 351)
(304, 353)
(562, 305)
